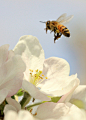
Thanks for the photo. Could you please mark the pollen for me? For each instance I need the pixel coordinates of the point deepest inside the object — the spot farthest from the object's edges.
(35, 114)
(31, 70)
(31, 111)
(36, 70)
(42, 75)
(36, 77)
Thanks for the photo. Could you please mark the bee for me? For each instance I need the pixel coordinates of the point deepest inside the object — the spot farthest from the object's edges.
(57, 26)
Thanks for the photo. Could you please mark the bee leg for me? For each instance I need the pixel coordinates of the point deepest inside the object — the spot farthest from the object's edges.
(57, 36)
(46, 30)
(54, 40)
(51, 31)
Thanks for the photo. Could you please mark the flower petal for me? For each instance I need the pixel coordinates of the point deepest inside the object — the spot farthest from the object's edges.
(74, 113)
(56, 70)
(3, 94)
(11, 74)
(34, 92)
(25, 115)
(14, 103)
(60, 111)
(11, 115)
(10, 54)
(51, 110)
(59, 86)
(3, 54)
(9, 107)
(32, 53)
(22, 115)
(67, 97)
(80, 94)
(56, 67)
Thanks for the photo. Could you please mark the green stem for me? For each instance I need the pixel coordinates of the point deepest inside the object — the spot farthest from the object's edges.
(30, 106)
(26, 99)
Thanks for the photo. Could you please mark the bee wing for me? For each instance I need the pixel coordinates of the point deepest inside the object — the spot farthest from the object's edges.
(61, 18)
(67, 19)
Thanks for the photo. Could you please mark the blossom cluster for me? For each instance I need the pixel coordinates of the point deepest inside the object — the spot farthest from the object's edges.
(47, 90)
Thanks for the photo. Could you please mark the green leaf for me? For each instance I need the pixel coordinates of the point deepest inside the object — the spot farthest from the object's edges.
(20, 92)
(55, 99)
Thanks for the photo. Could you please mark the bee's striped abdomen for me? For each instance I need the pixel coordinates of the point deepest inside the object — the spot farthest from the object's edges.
(64, 30)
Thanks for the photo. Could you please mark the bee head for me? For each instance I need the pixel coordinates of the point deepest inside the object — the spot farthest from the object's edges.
(48, 23)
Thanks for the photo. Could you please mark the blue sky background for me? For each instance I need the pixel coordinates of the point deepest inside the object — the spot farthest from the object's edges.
(21, 17)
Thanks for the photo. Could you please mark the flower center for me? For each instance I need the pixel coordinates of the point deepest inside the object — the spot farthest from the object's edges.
(36, 77)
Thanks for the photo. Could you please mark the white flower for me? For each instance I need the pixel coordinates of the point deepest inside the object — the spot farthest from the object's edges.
(79, 97)
(50, 111)
(11, 72)
(76, 96)
(12, 111)
(22, 115)
(60, 111)
(12, 105)
(50, 75)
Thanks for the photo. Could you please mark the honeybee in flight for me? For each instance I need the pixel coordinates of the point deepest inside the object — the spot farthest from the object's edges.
(57, 26)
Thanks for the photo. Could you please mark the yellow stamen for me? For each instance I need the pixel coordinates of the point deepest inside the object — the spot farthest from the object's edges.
(35, 114)
(30, 69)
(36, 70)
(41, 77)
(37, 77)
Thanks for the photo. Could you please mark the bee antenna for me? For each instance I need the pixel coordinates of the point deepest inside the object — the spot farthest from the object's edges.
(42, 22)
